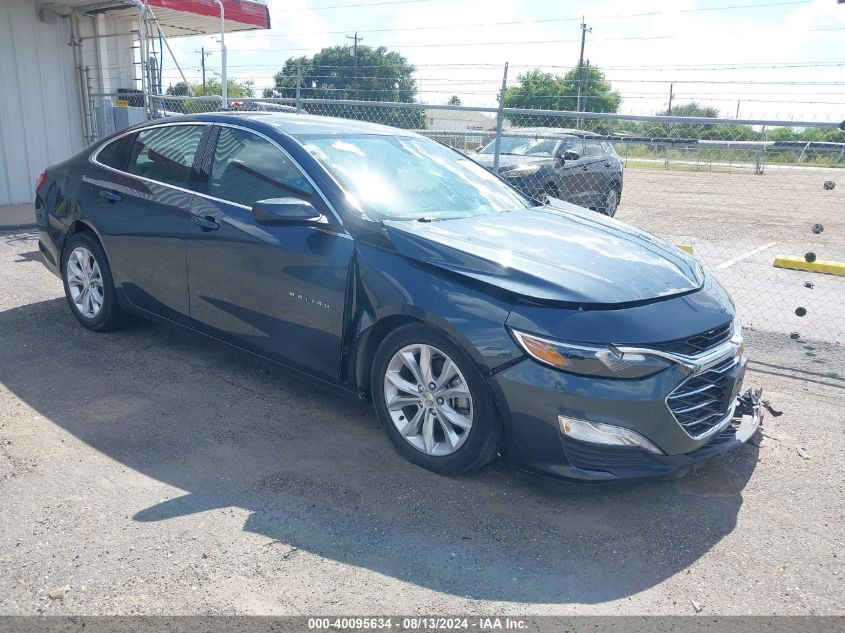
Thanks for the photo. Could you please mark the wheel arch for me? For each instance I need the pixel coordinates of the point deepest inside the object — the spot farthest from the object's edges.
(78, 226)
(369, 339)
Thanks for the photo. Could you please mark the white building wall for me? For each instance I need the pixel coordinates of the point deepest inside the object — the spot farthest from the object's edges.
(40, 117)
(41, 111)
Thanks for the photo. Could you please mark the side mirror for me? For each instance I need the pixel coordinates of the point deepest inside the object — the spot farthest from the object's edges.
(285, 211)
(570, 156)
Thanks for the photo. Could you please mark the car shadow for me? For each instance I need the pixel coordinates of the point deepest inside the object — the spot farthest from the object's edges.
(317, 473)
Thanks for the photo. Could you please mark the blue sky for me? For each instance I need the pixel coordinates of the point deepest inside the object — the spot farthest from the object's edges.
(781, 59)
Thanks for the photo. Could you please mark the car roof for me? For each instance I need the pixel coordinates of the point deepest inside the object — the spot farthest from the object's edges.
(297, 124)
(553, 132)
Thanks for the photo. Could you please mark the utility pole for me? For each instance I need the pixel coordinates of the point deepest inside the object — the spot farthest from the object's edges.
(355, 39)
(671, 94)
(738, 102)
(584, 31)
(203, 55)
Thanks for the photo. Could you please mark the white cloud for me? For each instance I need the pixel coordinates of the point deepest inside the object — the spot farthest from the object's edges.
(734, 37)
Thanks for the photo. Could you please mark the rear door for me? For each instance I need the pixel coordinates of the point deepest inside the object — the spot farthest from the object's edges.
(276, 290)
(595, 169)
(140, 204)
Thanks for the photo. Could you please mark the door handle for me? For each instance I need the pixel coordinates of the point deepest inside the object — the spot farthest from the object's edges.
(584, 168)
(206, 223)
(111, 196)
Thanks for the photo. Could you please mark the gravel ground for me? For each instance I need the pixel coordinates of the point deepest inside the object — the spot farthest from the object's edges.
(152, 471)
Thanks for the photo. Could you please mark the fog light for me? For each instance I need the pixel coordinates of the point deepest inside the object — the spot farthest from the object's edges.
(599, 433)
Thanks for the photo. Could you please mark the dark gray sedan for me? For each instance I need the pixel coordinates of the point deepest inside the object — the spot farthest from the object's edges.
(387, 266)
(572, 165)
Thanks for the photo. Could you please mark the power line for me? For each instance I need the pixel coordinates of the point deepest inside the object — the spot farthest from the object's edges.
(536, 42)
(518, 22)
(353, 6)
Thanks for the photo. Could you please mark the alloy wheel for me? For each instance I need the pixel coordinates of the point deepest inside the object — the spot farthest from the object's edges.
(428, 399)
(85, 282)
(611, 202)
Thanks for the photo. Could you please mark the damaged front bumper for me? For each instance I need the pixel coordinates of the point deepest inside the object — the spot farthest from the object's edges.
(600, 463)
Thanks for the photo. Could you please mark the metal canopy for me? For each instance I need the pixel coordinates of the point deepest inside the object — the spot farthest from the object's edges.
(182, 17)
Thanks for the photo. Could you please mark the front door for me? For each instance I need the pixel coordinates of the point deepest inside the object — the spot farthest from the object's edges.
(572, 170)
(276, 290)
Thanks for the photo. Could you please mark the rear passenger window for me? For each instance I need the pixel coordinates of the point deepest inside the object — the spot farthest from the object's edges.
(592, 147)
(248, 168)
(116, 153)
(166, 154)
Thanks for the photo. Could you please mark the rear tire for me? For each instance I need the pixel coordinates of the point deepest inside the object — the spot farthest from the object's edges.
(430, 387)
(611, 201)
(89, 286)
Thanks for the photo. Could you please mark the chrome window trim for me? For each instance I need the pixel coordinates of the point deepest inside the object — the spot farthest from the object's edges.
(92, 158)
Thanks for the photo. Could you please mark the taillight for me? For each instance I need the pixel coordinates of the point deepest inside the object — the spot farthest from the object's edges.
(41, 179)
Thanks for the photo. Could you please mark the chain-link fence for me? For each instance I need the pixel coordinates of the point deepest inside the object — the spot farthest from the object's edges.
(737, 193)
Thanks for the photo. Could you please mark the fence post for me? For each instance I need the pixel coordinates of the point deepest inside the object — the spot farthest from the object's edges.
(299, 86)
(761, 155)
(500, 118)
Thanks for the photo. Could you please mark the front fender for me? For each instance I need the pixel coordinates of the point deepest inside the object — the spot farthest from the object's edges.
(391, 285)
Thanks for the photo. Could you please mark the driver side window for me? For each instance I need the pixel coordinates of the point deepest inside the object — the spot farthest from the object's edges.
(248, 168)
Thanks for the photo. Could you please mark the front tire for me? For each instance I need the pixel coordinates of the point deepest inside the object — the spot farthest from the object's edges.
(433, 402)
(89, 286)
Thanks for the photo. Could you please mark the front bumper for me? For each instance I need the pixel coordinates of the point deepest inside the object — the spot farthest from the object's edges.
(635, 463)
(533, 396)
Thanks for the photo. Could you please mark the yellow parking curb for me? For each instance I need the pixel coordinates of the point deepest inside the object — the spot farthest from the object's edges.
(818, 266)
(685, 247)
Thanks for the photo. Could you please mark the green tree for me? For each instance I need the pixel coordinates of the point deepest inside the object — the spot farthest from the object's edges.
(547, 91)
(454, 100)
(693, 108)
(378, 75)
(235, 89)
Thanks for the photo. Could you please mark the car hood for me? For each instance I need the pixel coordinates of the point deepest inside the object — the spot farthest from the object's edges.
(553, 254)
(509, 161)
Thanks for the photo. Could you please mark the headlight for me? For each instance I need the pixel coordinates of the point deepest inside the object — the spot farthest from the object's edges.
(604, 362)
(521, 171)
(600, 433)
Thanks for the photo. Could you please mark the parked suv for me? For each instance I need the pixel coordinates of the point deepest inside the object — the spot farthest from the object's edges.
(573, 165)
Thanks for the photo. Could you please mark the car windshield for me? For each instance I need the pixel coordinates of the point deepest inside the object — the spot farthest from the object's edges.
(410, 178)
(522, 146)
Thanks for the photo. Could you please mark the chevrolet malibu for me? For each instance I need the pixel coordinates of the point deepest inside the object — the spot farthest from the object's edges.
(388, 266)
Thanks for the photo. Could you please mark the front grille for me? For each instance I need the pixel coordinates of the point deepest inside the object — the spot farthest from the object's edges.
(704, 400)
(696, 344)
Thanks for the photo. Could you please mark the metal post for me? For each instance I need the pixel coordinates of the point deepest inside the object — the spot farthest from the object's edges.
(671, 94)
(89, 109)
(202, 62)
(500, 118)
(299, 86)
(173, 57)
(224, 80)
(142, 50)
